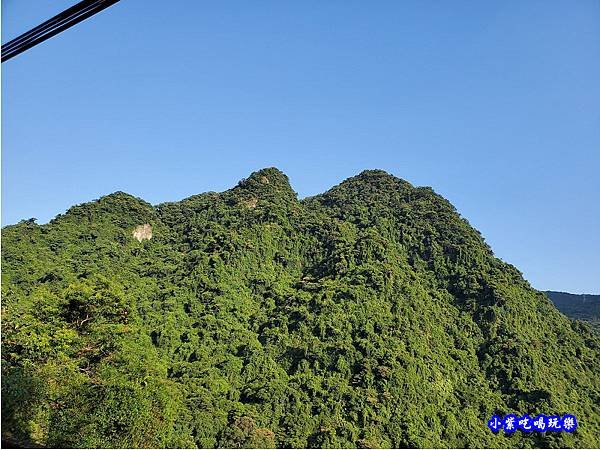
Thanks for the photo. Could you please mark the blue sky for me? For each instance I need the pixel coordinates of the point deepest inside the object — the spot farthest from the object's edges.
(496, 105)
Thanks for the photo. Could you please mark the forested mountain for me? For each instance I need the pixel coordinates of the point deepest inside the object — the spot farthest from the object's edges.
(372, 315)
(578, 306)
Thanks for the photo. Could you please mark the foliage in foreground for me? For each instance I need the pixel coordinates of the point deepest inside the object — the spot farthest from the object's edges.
(372, 315)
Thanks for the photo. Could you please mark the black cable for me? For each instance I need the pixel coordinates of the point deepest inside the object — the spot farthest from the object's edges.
(53, 26)
(60, 22)
(56, 21)
(46, 33)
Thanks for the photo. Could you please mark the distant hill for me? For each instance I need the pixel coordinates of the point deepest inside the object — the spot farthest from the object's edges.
(578, 306)
(371, 316)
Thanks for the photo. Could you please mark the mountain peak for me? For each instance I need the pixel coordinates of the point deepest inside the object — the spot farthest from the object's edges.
(375, 173)
(127, 208)
(268, 183)
(367, 188)
(378, 177)
(268, 176)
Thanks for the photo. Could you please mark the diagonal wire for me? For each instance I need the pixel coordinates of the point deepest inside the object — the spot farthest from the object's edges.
(60, 22)
(54, 21)
(53, 26)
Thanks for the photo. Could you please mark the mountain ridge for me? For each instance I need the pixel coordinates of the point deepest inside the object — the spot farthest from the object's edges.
(248, 184)
(585, 307)
(370, 315)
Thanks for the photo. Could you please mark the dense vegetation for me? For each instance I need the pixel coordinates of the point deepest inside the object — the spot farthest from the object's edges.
(371, 315)
(584, 307)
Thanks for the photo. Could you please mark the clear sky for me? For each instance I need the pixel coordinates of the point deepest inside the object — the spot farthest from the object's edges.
(496, 105)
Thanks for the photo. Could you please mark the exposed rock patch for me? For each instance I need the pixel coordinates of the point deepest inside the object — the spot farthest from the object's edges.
(251, 203)
(143, 232)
